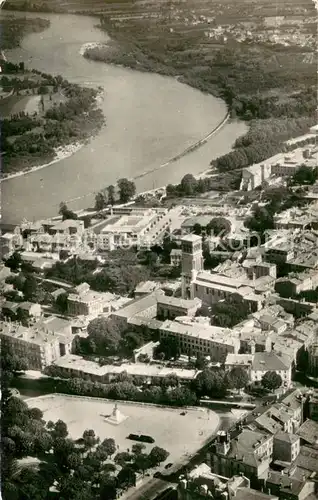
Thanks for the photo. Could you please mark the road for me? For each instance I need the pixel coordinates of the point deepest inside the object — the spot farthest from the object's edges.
(147, 491)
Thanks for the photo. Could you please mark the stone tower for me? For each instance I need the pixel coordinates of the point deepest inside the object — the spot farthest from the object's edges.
(191, 262)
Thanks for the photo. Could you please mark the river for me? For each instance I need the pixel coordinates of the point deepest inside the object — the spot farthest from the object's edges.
(150, 119)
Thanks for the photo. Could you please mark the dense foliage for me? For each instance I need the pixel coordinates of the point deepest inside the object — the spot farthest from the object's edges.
(14, 29)
(55, 465)
(67, 114)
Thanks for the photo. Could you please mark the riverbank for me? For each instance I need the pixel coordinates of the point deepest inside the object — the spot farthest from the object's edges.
(61, 153)
(46, 119)
(150, 120)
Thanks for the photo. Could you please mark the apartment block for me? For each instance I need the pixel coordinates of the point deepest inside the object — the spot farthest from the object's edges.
(39, 346)
(249, 453)
(195, 339)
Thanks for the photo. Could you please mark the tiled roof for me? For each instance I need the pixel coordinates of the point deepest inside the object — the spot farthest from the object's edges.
(309, 432)
(288, 483)
(270, 361)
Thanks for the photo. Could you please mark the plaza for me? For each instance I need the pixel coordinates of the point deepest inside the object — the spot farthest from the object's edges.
(180, 435)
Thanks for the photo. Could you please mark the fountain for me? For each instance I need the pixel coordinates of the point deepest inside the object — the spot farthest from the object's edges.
(116, 417)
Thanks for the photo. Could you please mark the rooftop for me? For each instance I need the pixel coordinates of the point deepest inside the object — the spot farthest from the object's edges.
(292, 485)
(139, 305)
(213, 333)
(309, 432)
(178, 302)
(286, 437)
(307, 459)
(270, 361)
(244, 446)
(74, 362)
(191, 238)
(250, 494)
(30, 335)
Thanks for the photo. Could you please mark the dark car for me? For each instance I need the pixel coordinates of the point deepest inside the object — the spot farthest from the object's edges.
(183, 413)
(168, 466)
(157, 475)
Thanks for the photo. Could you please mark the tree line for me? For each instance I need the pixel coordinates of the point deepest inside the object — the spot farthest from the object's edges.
(82, 469)
(123, 192)
(26, 139)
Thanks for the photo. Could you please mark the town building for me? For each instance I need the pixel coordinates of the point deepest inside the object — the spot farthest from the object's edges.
(76, 366)
(172, 307)
(313, 405)
(249, 452)
(211, 287)
(296, 249)
(175, 257)
(308, 433)
(85, 302)
(286, 447)
(193, 339)
(201, 483)
(259, 363)
(141, 227)
(290, 487)
(14, 310)
(271, 361)
(144, 308)
(294, 284)
(37, 344)
(145, 287)
(313, 360)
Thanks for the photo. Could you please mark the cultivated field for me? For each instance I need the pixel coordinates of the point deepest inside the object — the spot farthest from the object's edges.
(180, 435)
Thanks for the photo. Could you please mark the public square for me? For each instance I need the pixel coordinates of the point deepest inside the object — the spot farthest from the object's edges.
(180, 435)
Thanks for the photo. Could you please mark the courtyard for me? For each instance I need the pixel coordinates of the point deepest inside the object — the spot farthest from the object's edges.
(180, 435)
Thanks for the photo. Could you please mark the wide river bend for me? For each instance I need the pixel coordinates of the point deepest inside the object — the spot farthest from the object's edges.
(150, 119)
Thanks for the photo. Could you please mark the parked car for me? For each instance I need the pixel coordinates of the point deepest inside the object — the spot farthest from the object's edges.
(157, 475)
(168, 465)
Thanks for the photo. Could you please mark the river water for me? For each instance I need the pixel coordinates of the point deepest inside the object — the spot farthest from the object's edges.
(150, 119)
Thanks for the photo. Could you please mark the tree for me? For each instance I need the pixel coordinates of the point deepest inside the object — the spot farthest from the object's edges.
(200, 362)
(66, 213)
(168, 347)
(122, 458)
(60, 429)
(271, 380)
(237, 378)
(61, 302)
(106, 335)
(89, 438)
(126, 477)
(219, 226)
(100, 201)
(197, 229)
(111, 194)
(158, 455)
(30, 288)
(109, 446)
(305, 175)
(14, 261)
(188, 184)
(228, 313)
(210, 383)
(137, 448)
(127, 190)
(142, 462)
(261, 220)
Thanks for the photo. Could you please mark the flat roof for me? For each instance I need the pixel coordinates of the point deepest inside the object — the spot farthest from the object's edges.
(74, 362)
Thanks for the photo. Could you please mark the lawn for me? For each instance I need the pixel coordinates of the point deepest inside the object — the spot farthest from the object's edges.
(180, 435)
